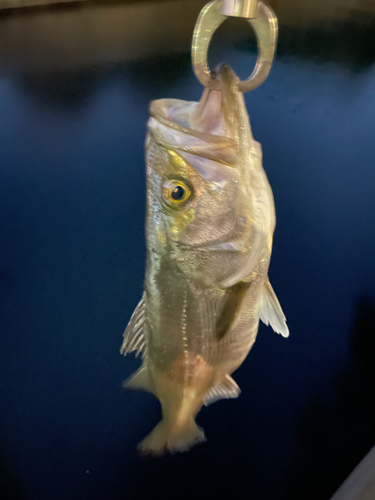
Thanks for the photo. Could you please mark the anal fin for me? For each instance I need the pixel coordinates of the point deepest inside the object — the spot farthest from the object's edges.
(139, 380)
(225, 389)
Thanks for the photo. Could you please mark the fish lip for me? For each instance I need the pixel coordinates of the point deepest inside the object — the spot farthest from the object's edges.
(171, 135)
(158, 107)
(174, 123)
(158, 112)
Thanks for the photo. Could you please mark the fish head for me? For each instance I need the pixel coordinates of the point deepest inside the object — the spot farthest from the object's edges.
(199, 161)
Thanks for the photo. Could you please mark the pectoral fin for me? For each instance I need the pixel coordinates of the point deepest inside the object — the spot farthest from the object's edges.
(270, 311)
(231, 308)
(134, 335)
(226, 389)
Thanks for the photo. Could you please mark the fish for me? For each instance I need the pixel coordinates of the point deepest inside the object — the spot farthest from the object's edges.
(210, 220)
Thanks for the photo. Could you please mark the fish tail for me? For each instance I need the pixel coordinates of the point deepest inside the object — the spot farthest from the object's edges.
(186, 437)
(161, 439)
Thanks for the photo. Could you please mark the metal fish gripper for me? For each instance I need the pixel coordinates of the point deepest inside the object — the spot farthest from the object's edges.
(264, 23)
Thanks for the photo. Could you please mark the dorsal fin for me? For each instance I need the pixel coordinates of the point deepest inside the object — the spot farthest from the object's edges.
(270, 311)
(225, 389)
(134, 334)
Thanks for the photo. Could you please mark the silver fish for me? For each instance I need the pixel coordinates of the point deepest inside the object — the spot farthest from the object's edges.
(209, 230)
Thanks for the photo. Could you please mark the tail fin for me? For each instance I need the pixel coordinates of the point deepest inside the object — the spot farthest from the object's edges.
(161, 439)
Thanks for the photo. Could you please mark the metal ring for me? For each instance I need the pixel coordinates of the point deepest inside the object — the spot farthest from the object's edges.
(266, 30)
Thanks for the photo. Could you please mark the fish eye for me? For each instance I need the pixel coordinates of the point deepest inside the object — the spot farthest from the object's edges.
(176, 192)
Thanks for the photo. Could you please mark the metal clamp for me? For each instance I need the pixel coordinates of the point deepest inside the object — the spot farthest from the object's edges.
(212, 16)
(240, 8)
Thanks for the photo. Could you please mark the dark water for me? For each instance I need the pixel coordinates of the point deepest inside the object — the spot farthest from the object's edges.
(71, 269)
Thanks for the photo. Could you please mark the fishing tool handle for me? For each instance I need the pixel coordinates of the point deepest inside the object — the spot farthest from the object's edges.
(261, 18)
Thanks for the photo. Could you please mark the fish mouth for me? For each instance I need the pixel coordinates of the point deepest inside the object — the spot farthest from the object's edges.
(215, 113)
(208, 128)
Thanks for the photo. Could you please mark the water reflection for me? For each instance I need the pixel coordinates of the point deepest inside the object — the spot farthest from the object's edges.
(85, 36)
(82, 35)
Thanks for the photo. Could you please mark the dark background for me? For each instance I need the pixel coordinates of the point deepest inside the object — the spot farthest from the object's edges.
(72, 207)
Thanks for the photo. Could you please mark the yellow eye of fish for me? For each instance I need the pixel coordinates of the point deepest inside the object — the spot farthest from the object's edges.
(176, 192)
